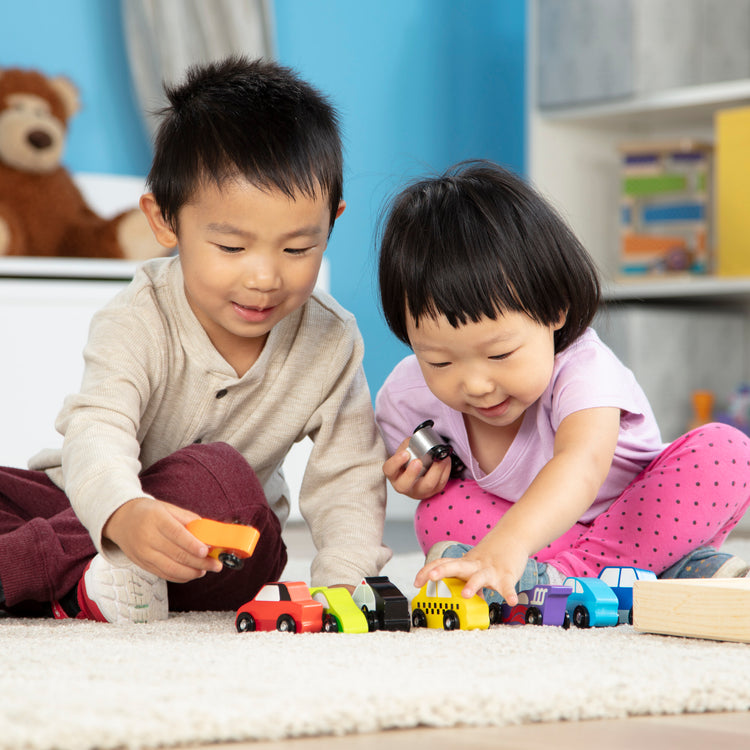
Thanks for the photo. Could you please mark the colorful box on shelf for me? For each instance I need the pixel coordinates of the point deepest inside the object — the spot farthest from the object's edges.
(665, 207)
(733, 191)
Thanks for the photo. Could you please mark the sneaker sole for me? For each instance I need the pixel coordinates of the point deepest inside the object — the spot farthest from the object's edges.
(122, 595)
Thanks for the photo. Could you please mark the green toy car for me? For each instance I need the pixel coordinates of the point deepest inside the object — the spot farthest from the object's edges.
(340, 613)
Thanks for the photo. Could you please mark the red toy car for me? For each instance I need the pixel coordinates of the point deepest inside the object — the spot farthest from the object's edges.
(287, 607)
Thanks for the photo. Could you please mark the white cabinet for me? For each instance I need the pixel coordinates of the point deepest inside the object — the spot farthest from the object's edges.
(573, 161)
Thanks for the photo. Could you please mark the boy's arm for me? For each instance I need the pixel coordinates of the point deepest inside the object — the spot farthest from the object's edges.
(560, 493)
(343, 492)
(100, 455)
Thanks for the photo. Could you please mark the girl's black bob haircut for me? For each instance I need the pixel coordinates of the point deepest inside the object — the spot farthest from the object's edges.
(475, 242)
(253, 119)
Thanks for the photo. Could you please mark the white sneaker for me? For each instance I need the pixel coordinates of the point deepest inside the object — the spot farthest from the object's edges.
(107, 593)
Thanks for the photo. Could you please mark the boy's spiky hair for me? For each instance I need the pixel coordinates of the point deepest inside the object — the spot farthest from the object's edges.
(477, 241)
(252, 119)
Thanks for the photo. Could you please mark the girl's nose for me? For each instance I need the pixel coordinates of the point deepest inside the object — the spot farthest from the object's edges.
(477, 384)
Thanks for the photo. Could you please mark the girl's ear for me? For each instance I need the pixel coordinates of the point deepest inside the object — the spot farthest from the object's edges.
(163, 232)
(560, 322)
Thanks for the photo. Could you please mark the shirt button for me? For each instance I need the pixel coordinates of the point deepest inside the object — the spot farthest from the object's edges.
(223, 392)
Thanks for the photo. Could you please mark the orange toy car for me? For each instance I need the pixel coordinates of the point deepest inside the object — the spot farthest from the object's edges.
(230, 543)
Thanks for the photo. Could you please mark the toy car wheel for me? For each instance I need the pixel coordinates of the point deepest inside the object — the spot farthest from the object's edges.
(245, 623)
(581, 617)
(285, 624)
(330, 624)
(533, 616)
(418, 619)
(496, 614)
(450, 621)
(566, 621)
(630, 616)
(230, 560)
(371, 617)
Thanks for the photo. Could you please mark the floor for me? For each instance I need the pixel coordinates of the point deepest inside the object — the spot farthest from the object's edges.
(729, 731)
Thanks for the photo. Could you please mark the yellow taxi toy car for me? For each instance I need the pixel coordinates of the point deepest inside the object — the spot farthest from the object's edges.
(230, 543)
(439, 604)
(340, 613)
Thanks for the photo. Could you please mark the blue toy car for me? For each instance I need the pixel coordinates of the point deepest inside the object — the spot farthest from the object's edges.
(591, 603)
(621, 581)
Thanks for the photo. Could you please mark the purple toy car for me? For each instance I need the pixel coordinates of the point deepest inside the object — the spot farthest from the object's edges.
(542, 605)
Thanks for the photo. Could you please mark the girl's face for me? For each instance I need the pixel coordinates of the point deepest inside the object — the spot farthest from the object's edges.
(491, 371)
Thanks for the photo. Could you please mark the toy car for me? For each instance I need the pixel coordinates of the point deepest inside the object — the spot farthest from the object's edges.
(287, 607)
(591, 603)
(230, 543)
(543, 604)
(621, 581)
(385, 607)
(439, 604)
(340, 613)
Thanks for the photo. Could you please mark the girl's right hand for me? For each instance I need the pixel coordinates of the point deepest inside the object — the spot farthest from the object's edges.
(405, 477)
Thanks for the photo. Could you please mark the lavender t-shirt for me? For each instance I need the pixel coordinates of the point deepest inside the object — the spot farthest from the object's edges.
(586, 375)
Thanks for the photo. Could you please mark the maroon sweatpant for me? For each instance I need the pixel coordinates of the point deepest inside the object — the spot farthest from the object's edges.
(44, 548)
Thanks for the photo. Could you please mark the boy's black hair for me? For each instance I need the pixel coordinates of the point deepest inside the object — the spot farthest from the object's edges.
(477, 241)
(242, 118)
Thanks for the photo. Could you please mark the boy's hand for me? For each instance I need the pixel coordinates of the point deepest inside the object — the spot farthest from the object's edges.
(405, 477)
(152, 534)
(480, 567)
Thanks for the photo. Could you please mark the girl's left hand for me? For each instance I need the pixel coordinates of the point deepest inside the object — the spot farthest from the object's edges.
(480, 567)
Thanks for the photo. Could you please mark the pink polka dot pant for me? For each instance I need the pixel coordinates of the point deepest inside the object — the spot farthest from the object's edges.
(692, 495)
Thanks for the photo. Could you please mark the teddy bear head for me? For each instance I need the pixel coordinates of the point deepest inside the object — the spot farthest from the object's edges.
(34, 113)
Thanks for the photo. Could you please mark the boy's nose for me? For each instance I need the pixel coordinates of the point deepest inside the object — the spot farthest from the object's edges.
(261, 275)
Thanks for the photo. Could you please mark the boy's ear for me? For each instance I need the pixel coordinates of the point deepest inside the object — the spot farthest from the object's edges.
(340, 209)
(163, 232)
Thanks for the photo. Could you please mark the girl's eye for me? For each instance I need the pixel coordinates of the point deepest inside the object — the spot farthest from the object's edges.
(499, 357)
(439, 365)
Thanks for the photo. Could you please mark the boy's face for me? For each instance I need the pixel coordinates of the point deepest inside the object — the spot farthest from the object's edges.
(249, 258)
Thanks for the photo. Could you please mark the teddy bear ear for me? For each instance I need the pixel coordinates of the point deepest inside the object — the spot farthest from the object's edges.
(68, 94)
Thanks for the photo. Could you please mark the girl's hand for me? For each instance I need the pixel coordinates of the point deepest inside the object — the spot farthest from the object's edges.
(152, 534)
(404, 474)
(483, 566)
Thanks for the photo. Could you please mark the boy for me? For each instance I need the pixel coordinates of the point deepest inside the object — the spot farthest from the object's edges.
(208, 364)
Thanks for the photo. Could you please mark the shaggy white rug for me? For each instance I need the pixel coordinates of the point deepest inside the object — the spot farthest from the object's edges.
(194, 679)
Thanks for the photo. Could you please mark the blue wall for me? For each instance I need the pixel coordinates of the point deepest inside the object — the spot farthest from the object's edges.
(420, 84)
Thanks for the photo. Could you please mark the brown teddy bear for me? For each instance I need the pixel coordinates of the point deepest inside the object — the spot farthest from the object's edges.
(42, 212)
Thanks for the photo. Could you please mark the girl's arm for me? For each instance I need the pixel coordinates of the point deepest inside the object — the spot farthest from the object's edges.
(559, 495)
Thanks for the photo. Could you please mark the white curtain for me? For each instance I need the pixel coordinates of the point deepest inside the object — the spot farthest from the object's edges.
(164, 37)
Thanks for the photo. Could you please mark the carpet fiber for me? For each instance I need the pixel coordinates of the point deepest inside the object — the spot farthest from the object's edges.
(194, 679)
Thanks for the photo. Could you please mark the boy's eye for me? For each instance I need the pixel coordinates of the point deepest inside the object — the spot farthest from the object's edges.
(227, 249)
(297, 250)
(438, 365)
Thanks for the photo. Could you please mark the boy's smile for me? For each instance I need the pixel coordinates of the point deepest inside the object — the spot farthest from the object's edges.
(249, 257)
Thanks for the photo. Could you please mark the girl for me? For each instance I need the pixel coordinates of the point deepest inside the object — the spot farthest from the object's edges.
(564, 471)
